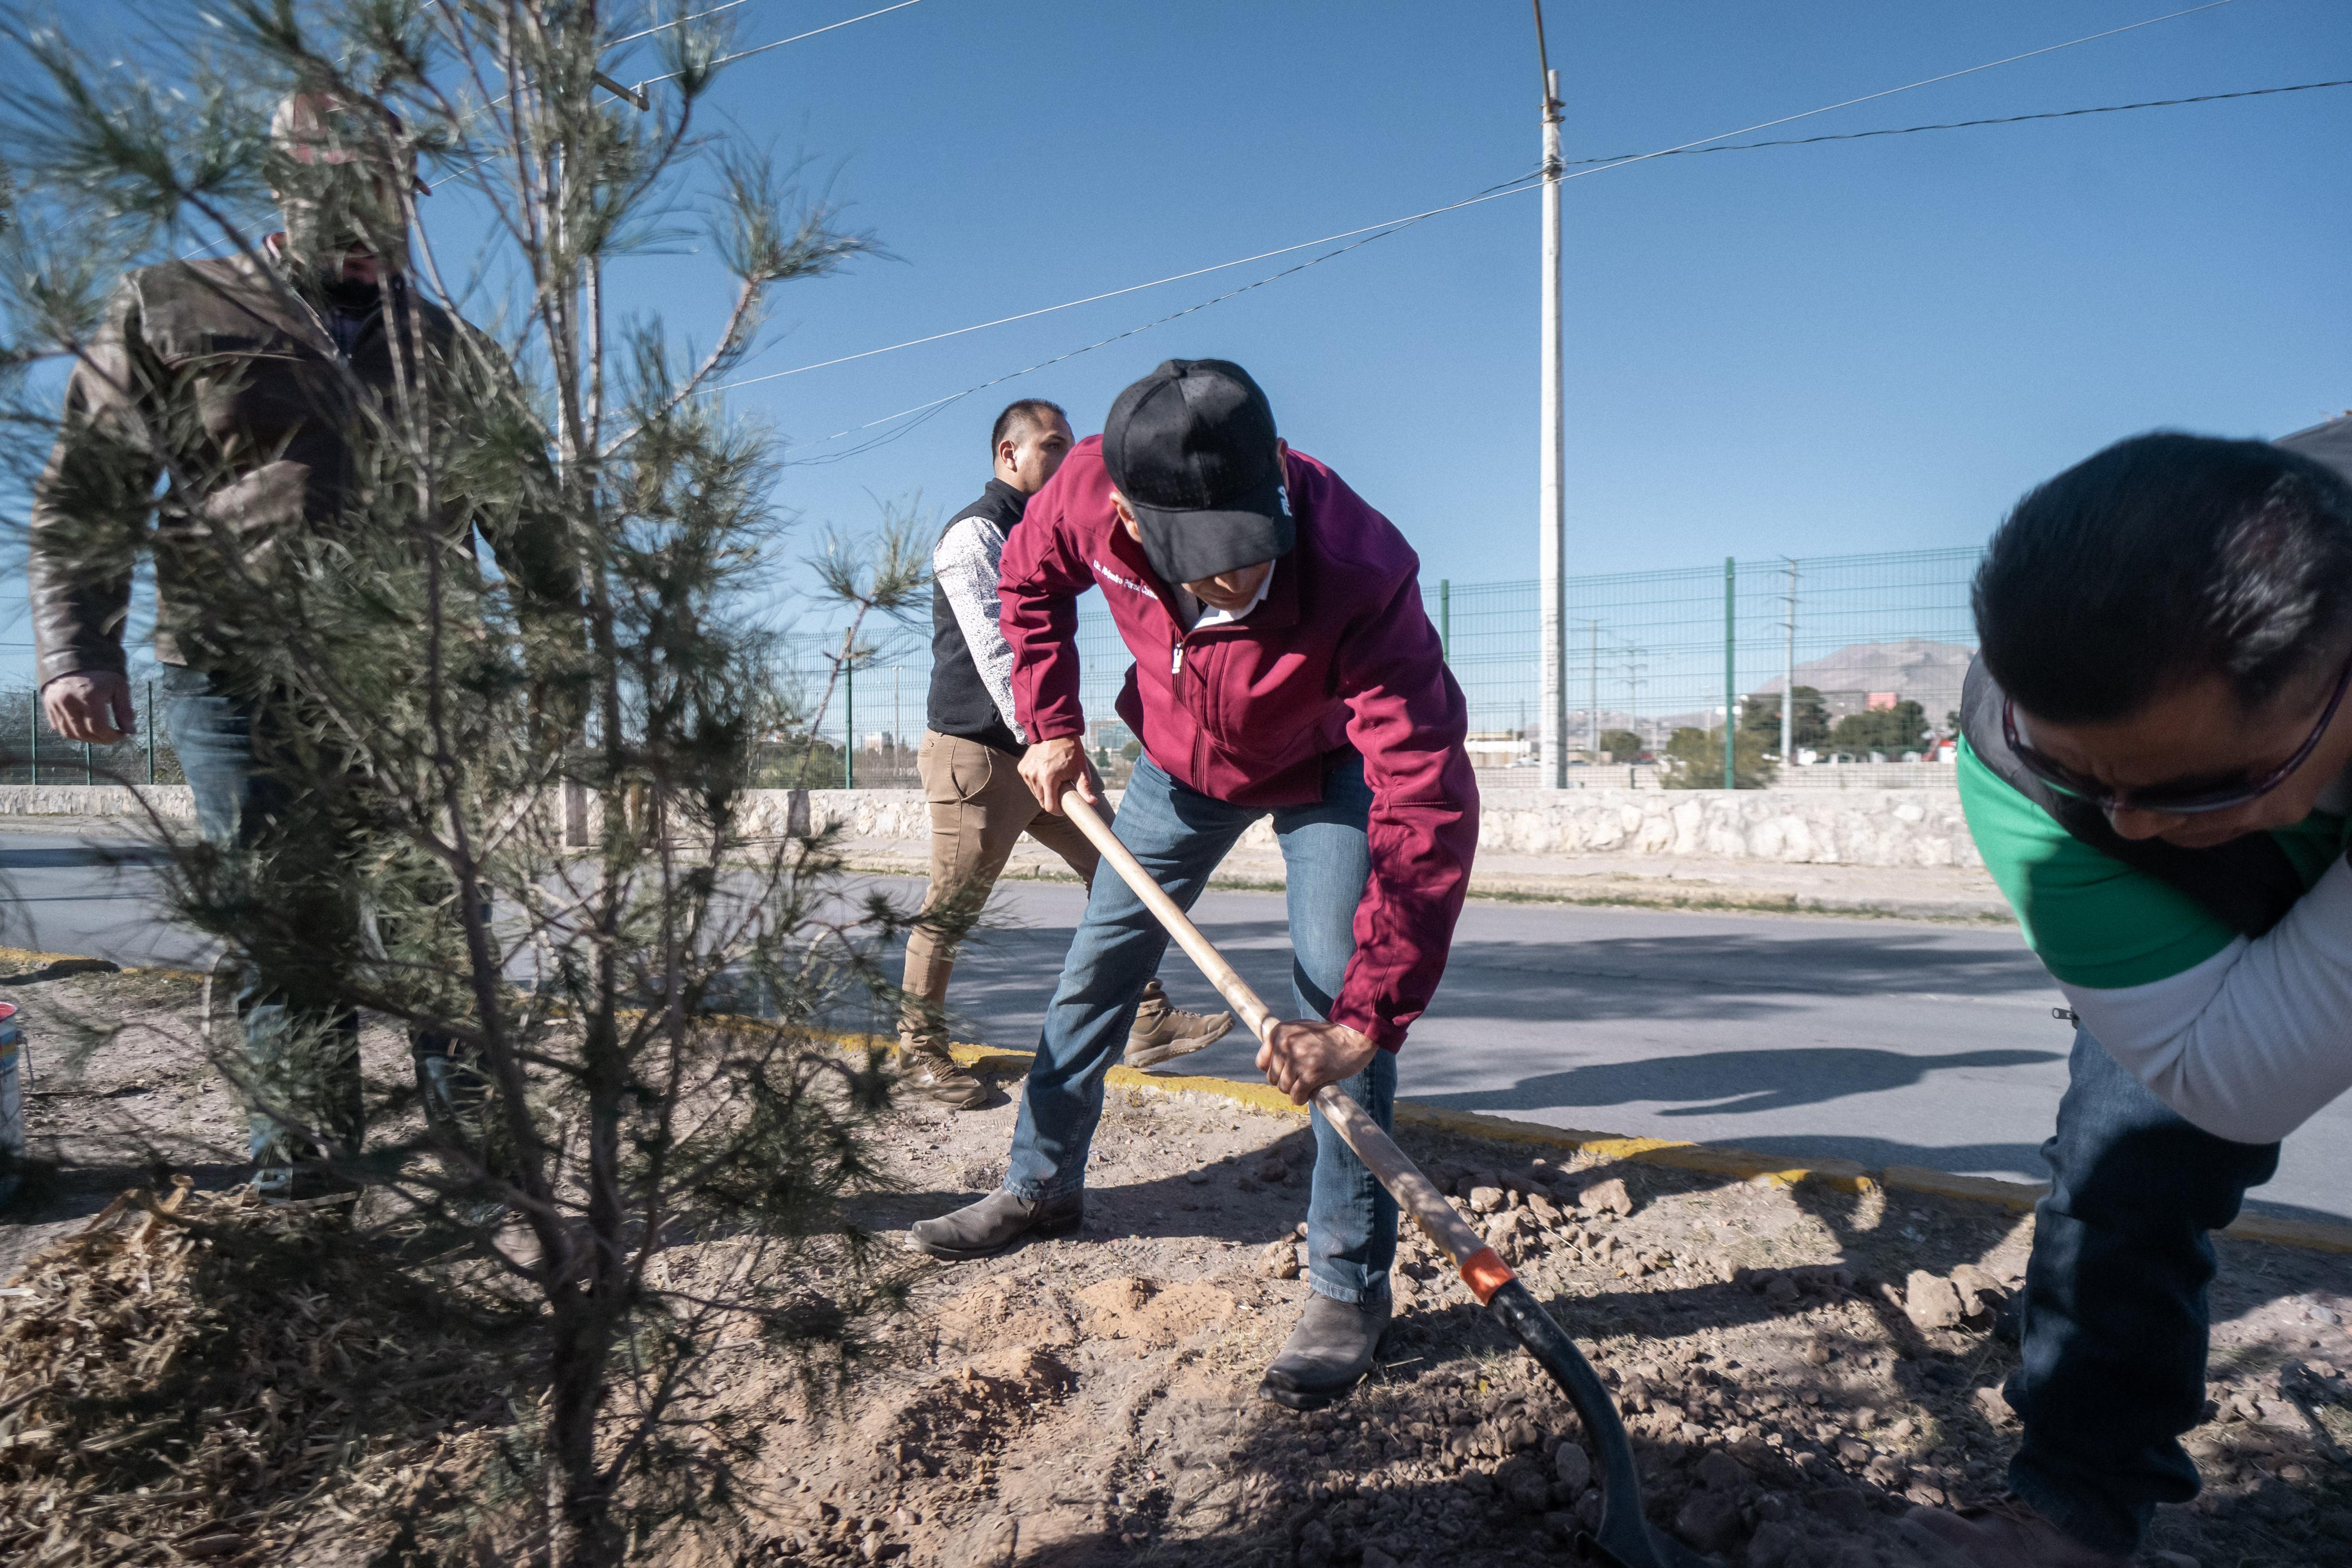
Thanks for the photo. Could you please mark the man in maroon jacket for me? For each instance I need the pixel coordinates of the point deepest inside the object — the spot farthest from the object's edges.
(1283, 666)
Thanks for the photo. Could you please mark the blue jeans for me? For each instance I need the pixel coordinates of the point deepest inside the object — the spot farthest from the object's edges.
(1179, 836)
(2115, 1322)
(302, 1046)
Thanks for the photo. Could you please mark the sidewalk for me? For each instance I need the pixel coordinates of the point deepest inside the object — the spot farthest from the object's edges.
(1654, 882)
(1958, 893)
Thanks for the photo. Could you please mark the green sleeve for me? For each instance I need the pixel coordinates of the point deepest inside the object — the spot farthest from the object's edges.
(2092, 919)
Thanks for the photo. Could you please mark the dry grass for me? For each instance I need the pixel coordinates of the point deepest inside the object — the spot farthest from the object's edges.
(209, 1378)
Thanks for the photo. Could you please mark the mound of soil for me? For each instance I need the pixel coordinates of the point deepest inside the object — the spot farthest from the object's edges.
(1798, 1366)
(1789, 1396)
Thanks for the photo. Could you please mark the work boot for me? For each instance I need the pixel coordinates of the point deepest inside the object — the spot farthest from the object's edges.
(452, 1090)
(1328, 1352)
(288, 1179)
(995, 1223)
(1163, 1032)
(456, 1095)
(934, 1074)
(2004, 1533)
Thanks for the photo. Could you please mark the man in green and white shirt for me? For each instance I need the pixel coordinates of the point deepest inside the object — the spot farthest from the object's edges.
(2157, 770)
(2243, 1036)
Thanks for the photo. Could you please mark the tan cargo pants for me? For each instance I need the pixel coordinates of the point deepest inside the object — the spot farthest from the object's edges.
(980, 807)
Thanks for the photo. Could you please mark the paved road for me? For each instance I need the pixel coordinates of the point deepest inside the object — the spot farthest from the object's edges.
(93, 898)
(1880, 1040)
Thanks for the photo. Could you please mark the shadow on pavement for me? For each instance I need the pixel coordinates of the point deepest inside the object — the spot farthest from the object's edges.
(1732, 1082)
(84, 855)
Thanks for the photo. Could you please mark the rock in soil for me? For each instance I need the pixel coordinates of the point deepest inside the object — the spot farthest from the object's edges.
(1607, 1197)
(1931, 1302)
(1093, 1399)
(1574, 1469)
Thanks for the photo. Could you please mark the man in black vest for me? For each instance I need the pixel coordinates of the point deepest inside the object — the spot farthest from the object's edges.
(2156, 765)
(970, 760)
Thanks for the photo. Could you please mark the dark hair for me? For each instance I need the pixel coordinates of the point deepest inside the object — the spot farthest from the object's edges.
(1029, 411)
(2161, 559)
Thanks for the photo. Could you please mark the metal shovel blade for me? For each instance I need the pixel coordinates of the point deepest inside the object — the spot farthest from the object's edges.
(1625, 1538)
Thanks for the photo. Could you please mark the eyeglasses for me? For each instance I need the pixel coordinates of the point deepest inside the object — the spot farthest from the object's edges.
(2171, 800)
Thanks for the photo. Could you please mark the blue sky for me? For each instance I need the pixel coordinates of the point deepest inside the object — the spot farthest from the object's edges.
(1852, 347)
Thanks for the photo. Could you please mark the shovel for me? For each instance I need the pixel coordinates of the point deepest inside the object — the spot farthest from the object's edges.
(1624, 1539)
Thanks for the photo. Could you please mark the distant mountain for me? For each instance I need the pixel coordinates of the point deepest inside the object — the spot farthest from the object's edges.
(1927, 672)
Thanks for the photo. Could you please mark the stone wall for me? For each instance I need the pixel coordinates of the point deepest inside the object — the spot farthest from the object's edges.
(861, 813)
(1891, 828)
(173, 800)
(1806, 826)
(1802, 827)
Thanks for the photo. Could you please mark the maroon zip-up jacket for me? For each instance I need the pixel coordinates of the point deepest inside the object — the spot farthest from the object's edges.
(1340, 655)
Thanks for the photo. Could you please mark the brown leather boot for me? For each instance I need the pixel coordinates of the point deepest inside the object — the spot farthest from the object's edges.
(1161, 1031)
(2004, 1533)
(933, 1073)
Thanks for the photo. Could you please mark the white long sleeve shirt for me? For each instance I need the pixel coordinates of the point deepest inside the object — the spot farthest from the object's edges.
(966, 563)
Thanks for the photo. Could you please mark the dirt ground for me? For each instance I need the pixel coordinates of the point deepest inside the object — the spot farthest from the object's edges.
(1092, 1400)
(143, 1108)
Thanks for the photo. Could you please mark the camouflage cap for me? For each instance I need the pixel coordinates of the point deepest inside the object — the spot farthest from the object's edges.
(319, 128)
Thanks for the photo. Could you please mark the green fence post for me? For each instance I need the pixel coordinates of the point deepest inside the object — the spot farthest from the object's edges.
(88, 768)
(1730, 669)
(1445, 619)
(849, 723)
(151, 732)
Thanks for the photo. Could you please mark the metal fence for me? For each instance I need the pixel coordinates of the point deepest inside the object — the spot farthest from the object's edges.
(1653, 652)
(1647, 653)
(880, 704)
(33, 753)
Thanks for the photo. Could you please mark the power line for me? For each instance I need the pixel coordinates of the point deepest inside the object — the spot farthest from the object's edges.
(680, 22)
(936, 405)
(1964, 124)
(630, 38)
(1492, 194)
(1389, 226)
(1370, 232)
(1924, 81)
(813, 32)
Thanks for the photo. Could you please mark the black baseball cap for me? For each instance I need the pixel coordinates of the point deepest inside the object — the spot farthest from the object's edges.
(1191, 447)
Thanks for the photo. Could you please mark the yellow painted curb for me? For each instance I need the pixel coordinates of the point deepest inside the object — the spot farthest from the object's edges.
(1744, 1165)
(1263, 1097)
(2314, 1234)
(2016, 1195)
(1707, 1160)
(33, 958)
(1704, 1159)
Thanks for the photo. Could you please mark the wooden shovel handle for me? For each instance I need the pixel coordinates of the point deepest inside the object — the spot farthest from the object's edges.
(1230, 985)
(1482, 1269)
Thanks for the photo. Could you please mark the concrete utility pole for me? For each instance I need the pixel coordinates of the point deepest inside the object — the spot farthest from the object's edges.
(1552, 517)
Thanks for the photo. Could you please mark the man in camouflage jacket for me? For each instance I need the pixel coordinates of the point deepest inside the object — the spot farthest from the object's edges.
(239, 402)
